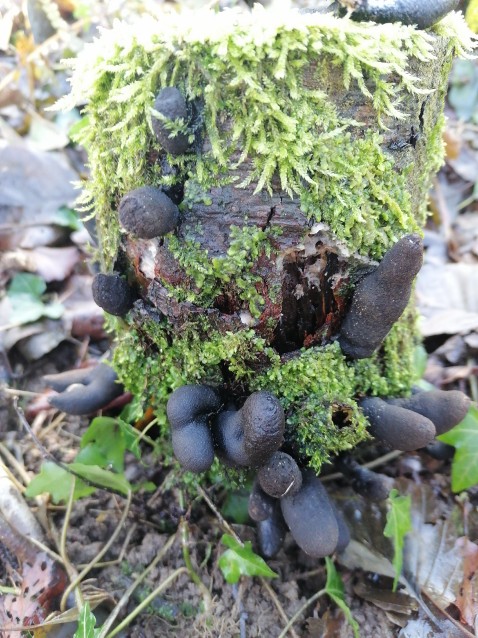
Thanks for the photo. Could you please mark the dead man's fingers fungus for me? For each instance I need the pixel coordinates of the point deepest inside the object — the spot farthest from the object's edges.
(271, 532)
(280, 475)
(147, 212)
(84, 393)
(380, 298)
(248, 437)
(260, 504)
(189, 409)
(423, 13)
(113, 294)
(172, 107)
(400, 428)
(369, 484)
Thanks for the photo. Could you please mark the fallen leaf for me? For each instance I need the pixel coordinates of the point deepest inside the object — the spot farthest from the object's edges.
(467, 600)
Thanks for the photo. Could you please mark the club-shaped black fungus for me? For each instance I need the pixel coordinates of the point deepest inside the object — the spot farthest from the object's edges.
(280, 475)
(440, 451)
(310, 517)
(402, 429)
(380, 298)
(271, 532)
(147, 212)
(249, 436)
(112, 293)
(423, 13)
(189, 409)
(370, 485)
(260, 504)
(444, 409)
(344, 532)
(172, 105)
(84, 391)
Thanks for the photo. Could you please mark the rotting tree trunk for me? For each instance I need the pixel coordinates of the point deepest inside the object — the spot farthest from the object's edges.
(337, 174)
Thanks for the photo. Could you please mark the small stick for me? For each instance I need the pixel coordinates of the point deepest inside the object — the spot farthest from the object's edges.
(299, 613)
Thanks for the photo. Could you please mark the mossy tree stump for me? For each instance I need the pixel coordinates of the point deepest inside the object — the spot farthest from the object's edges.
(313, 140)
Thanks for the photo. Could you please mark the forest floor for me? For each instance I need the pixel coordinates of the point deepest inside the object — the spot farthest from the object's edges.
(156, 552)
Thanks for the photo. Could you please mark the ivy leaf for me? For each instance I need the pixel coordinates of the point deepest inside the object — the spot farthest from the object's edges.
(464, 438)
(57, 482)
(239, 560)
(26, 305)
(86, 624)
(103, 444)
(102, 477)
(399, 523)
(26, 283)
(334, 588)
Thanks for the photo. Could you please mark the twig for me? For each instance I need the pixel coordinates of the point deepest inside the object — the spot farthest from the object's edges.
(72, 573)
(381, 460)
(127, 594)
(278, 605)
(299, 612)
(98, 556)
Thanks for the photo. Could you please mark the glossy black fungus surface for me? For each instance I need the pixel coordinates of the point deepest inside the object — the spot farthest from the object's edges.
(369, 484)
(248, 437)
(84, 391)
(380, 298)
(112, 293)
(189, 409)
(444, 409)
(311, 518)
(172, 105)
(147, 212)
(344, 532)
(423, 13)
(280, 475)
(260, 504)
(271, 533)
(402, 429)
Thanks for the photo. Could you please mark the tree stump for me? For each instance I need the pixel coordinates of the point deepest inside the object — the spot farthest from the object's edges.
(310, 141)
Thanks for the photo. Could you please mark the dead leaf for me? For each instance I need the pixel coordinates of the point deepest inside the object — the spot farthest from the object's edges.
(467, 600)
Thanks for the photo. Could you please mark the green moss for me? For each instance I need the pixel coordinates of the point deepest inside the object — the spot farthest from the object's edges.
(263, 81)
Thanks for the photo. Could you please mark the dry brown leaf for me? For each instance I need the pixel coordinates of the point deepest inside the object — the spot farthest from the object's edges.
(467, 600)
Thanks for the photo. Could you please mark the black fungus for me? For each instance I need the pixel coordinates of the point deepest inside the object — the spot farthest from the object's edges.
(84, 391)
(380, 298)
(280, 475)
(249, 436)
(189, 409)
(147, 212)
(311, 518)
(440, 451)
(172, 105)
(402, 429)
(444, 409)
(112, 293)
(370, 485)
(271, 532)
(260, 504)
(423, 13)
(344, 532)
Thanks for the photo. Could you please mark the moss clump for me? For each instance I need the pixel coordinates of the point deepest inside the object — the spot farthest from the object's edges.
(261, 83)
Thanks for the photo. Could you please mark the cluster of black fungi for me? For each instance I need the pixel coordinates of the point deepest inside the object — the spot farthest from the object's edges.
(285, 496)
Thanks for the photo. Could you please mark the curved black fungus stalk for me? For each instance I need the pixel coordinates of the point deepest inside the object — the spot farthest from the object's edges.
(147, 212)
(370, 485)
(248, 437)
(84, 391)
(280, 475)
(344, 532)
(423, 13)
(261, 504)
(444, 409)
(113, 294)
(380, 298)
(311, 518)
(402, 429)
(189, 409)
(440, 451)
(172, 105)
(271, 532)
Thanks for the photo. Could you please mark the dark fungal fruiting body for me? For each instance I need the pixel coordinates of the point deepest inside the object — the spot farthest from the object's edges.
(147, 212)
(172, 106)
(310, 517)
(280, 475)
(248, 437)
(400, 428)
(271, 532)
(189, 409)
(380, 298)
(344, 532)
(260, 504)
(84, 391)
(423, 13)
(370, 485)
(112, 293)
(444, 409)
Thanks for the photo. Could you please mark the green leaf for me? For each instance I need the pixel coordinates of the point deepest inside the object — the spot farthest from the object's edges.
(131, 437)
(399, 523)
(419, 363)
(67, 217)
(26, 283)
(57, 482)
(239, 560)
(86, 624)
(102, 477)
(464, 438)
(334, 588)
(103, 444)
(236, 507)
(76, 130)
